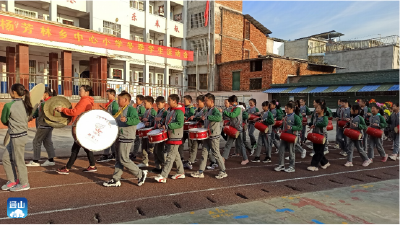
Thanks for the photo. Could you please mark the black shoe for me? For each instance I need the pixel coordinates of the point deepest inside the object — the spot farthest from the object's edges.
(112, 183)
(132, 156)
(141, 180)
(212, 166)
(266, 160)
(112, 157)
(155, 170)
(103, 158)
(256, 159)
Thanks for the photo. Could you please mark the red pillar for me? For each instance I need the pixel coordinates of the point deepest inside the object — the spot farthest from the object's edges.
(103, 75)
(94, 74)
(53, 71)
(11, 67)
(23, 64)
(66, 72)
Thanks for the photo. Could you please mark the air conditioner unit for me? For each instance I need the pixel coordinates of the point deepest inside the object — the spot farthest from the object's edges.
(59, 19)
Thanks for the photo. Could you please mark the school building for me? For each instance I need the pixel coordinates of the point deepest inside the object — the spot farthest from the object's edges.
(381, 85)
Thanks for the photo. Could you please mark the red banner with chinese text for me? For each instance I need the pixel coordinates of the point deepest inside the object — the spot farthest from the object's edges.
(49, 32)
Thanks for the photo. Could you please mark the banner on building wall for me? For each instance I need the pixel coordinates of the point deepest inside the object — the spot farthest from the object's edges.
(49, 32)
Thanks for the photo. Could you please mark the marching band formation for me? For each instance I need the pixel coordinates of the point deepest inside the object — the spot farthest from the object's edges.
(120, 129)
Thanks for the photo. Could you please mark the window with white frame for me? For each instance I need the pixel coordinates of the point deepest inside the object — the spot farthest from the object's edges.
(202, 45)
(150, 79)
(68, 22)
(160, 79)
(136, 5)
(197, 20)
(140, 78)
(32, 70)
(112, 28)
(137, 38)
(25, 12)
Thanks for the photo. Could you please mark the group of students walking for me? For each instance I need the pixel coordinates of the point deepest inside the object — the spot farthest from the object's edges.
(18, 112)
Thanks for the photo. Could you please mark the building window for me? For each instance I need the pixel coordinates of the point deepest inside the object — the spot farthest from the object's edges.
(140, 78)
(197, 20)
(247, 54)
(202, 45)
(178, 17)
(247, 30)
(68, 22)
(255, 83)
(256, 66)
(236, 81)
(112, 28)
(117, 74)
(203, 81)
(26, 13)
(160, 42)
(32, 70)
(160, 79)
(191, 81)
(161, 10)
(137, 5)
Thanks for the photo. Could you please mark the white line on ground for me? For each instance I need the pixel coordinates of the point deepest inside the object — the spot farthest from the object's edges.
(196, 191)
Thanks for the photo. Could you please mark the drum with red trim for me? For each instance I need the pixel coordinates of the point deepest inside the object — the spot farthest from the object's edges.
(157, 136)
(278, 123)
(304, 122)
(261, 127)
(330, 118)
(396, 129)
(330, 126)
(352, 134)
(253, 116)
(198, 134)
(226, 122)
(190, 125)
(231, 131)
(143, 132)
(138, 127)
(291, 138)
(342, 123)
(316, 138)
(376, 133)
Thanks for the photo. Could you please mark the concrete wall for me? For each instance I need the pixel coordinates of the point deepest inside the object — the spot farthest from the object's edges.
(371, 59)
(279, 48)
(296, 49)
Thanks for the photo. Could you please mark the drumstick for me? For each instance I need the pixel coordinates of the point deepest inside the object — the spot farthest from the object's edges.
(103, 107)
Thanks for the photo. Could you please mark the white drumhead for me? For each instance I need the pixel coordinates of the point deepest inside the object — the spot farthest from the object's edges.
(96, 130)
(146, 128)
(191, 122)
(140, 126)
(197, 130)
(154, 132)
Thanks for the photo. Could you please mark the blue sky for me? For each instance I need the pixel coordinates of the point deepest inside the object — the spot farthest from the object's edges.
(355, 19)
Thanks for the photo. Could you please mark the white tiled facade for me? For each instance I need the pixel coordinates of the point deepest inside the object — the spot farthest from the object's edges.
(157, 22)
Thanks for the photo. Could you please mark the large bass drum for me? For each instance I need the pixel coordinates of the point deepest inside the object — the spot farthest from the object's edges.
(95, 130)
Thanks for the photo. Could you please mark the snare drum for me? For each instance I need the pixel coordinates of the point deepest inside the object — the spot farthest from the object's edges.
(226, 122)
(95, 130)
(278, 123)
(143, 132)
(352, 134)
(190, 125)
(376, 133)
(330, 126)
(304, 122)
(342, 123)
(157, 136)
(316, 138)
(198, 134)
(253, 116)
(396, 129)
(138, 127)
(291, 138)
(261, 127)
(231, 131)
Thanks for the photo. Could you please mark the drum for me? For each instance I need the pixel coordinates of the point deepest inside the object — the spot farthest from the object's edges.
(231, 131)
(352, 134)
(304, 122)
(330, 126)
(138, 127)
(261, 127)
(278, 123)
(198, 134)
(190, 125)
(226, 122)
(316, 138)
(291, 138)
(330, 118)
(253, 116)
(143, 132)
(157, 136)
(342, 123)
(95, 130)
(376, 133)
(396, 129)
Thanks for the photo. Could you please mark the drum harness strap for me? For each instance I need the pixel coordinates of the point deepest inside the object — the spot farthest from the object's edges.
(119, 112)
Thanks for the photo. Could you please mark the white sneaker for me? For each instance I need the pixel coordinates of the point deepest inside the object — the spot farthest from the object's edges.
(143, 165)
(178, 176)
(312, 154)
(287, 158)
(326, 152)
(303, 154)
(32, 163)
(48, 163)
(160, 179)
(336, 146)
(310, 146)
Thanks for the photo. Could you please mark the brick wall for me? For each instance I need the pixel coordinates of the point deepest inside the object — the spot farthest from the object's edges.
(274, 71)
(235, 5)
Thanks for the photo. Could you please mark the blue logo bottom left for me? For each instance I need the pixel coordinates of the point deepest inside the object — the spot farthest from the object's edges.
(17, 207)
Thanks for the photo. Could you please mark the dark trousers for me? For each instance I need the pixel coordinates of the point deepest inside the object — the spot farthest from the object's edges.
(319, 156)
(223, 135)
(74, 154)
